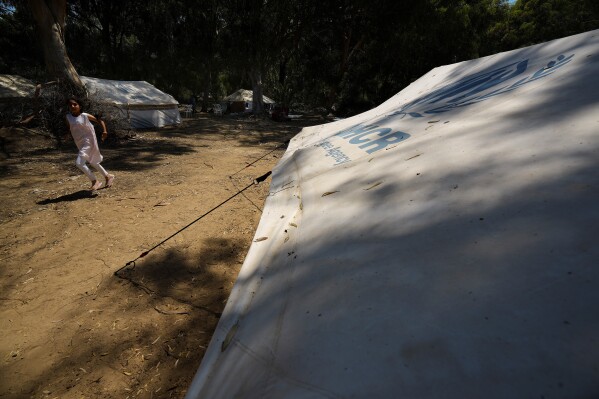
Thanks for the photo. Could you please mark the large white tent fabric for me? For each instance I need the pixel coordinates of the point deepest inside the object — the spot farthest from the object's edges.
(141, 103)
(441, 245)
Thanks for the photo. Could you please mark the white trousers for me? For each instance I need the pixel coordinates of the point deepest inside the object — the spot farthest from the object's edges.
(80, 162)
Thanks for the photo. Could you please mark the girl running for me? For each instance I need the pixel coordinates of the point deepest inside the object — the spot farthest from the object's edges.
(83, 133)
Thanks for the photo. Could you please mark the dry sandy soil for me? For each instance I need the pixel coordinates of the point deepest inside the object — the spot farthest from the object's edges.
(71, 327)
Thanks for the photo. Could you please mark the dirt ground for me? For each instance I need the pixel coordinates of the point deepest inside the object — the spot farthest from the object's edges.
(70, 327)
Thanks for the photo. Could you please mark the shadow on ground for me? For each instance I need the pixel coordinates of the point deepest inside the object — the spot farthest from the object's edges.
(81, 194)
(164, 311)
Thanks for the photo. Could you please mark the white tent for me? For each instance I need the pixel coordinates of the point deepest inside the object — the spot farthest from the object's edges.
(246, 95)
(242, 100)
(441, 245)
(15, 88)
(140, 102)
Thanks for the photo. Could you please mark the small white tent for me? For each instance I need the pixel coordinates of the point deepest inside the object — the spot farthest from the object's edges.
(441, 245)
(141, 103)
(242, 100)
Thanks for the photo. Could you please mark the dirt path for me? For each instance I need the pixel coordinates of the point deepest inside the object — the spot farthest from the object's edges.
(71, 328)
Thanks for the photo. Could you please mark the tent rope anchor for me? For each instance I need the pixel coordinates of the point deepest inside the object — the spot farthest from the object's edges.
(256, 181)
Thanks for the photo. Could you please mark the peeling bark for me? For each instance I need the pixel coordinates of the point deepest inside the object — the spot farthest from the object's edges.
(49, 16)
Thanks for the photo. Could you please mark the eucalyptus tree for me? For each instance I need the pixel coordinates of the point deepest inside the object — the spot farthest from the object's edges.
(379, 48)
(535, 21)
(17, 40)
(50, 16)
(259, 36)
(200, 49)
(102, 35)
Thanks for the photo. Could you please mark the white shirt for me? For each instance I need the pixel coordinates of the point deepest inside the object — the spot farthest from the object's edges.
(85, 137)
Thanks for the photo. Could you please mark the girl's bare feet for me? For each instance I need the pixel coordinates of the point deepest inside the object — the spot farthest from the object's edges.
(96, 185)
(109, 180)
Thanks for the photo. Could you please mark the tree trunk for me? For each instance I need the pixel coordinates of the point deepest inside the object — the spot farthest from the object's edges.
(49, 16)
(257, 101)
(107, 42)
(206, 94)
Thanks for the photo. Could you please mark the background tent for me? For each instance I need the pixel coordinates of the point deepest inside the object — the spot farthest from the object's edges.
(15, 88)
(140, 102)
(441, 245)
(16, 98)
(242, 100)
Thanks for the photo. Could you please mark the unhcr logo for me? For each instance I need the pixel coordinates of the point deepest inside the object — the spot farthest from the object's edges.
(481, 87)
(469, 90)
(372, 138)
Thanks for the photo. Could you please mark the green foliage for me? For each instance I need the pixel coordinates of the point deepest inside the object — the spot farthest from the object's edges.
(535, 21)
(343, 55)
(19, 54)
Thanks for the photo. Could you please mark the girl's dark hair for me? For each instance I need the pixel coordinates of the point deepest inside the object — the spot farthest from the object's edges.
(75, 99)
